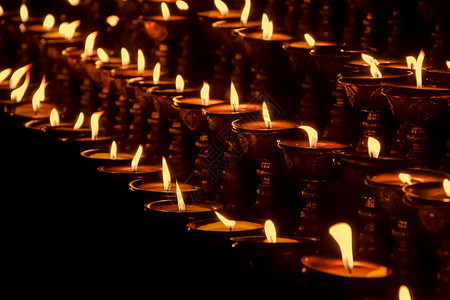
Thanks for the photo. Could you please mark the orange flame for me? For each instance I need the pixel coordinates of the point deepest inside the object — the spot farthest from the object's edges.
(17, 75)
(180, 201)
(166, 175)
(267, 27)
(89, 44)
(447, 63)
(125, 56)
(271, 233)
(405, 178)
(374, 147)
(403, 293)
(204, 93)
(411, 62)
(23, 13)
(419, 63)
(310, 40)
(67, 30)
(245, 12)
(17, 94)
(156, 73)
(369, 59)
(79, 122)
(266, 116)
(113, 151)
(222, 7)
(182, 5)
(375, 71)
(136, 158)
(165, 11)
(342, 233)
(39, 95)
(4, 74)
(49, 22)
(229, 224)
(95, 118)
(54, 117)
(104, 57)
(234, 98)
(179, 83)
(141, 62)
(446, 186)
(312, 135)
(112, 20)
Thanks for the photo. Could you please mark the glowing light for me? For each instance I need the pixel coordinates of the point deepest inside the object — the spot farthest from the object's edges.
(374, 147)
(245, 12)
(342, 233)
(167, 182)
(204, 93)
(267, 27)
(165, 11)
(136, 158)
(39, 95)
(448, 63)
(179, 83)
(125, 56)
(156, 73)
(234, 98)
(67, 30)
(229, 224)
(312, 135)
(375, 72)
(405, 178)
(112, 20)
(17, 76)
(446, 186)
(79, 122)
(140, 62)
(222, 7)
(419, 63)
(369, 59)
(270, 231)
(23, 11)
(74, 2)
(89, 44)
(17, 94)
(403, 293)
(95, 118)
(54, 117)
(104, 57)
(266, 116)
(310, 40)
(49, 22)
(4, 74)
(182, 5)
(180, 201)
(411, 62)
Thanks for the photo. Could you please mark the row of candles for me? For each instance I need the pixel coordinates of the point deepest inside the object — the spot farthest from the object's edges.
(313, 161)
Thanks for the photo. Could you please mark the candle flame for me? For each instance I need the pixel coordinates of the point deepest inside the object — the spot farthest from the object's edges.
(54, 117)
(446, 186)
(229, 224)
(234, 98)
(49, 22)
(79, 121)
(156, 73)
(180, 201)
(1, 11)
(95, 118)
(266, 116)
(182, 5)
(204, 94)
(112, 20)
(267, 27)
(17, 76)
(17, 94)
(4, 74)
(403, 293)
(342, 233)
(374, 147)
(23, 13)
(104, 57)
(74, 2)
(67, 30)
(89, 44)
(179, 83)
(411, 62)
(136, 158)
(39, 95)
(312, 135)
(125, 56)
(113, 151)
(245, 12)
(310, 40)
(405, 178)
(140, 62)
(165, 11)
(166, 175)
(271, 233)
(369, 59)
(375, 71)
(222, 7)
(419, 63)
(447, 63)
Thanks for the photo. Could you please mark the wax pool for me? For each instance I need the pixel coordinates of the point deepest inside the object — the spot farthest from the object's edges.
(320, 144)
(239, 226)
(261, 125)
(275, 36)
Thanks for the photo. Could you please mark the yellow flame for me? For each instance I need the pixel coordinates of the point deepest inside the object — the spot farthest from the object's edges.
(234, 98)
(1, 11)
(312, 135)
(136, 158)
(245, 12)
(180, 201)
(54, 117)
(271, 233)
(310, 40)
(89, 44)
(403, 293)
(112, 20)
(405, 178)
(17, 94)
(125, 56)
(113, 151)
(49, 22)
(23, 13)
(204, 93)
(182, 5)
(39, 95)
(446, 186)
(141, 62)
(165, 11)
(4, 74)
(166, 175)
(229, 224)
(104, 57)
(95, 118)
(448, 63)
(156, 73)
(411, 62)
(222, 7)
(74, 2)
(179, 83)
(17, 76)
(374, 147)
(79, 122)
(266, 116)
(342, 233)
(267, 27)
(67, 30)
(375, 71)
(369, 59)
(419, 63)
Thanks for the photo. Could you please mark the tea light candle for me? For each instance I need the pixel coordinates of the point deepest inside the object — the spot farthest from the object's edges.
(156, 190)
(26, 111)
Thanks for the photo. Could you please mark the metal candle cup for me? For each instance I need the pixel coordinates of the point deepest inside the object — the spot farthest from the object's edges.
(168, 209)
(101, 157)
(124, 173)
(151, 190)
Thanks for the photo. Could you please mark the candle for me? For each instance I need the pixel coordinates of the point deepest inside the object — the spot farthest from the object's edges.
(26, 111)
